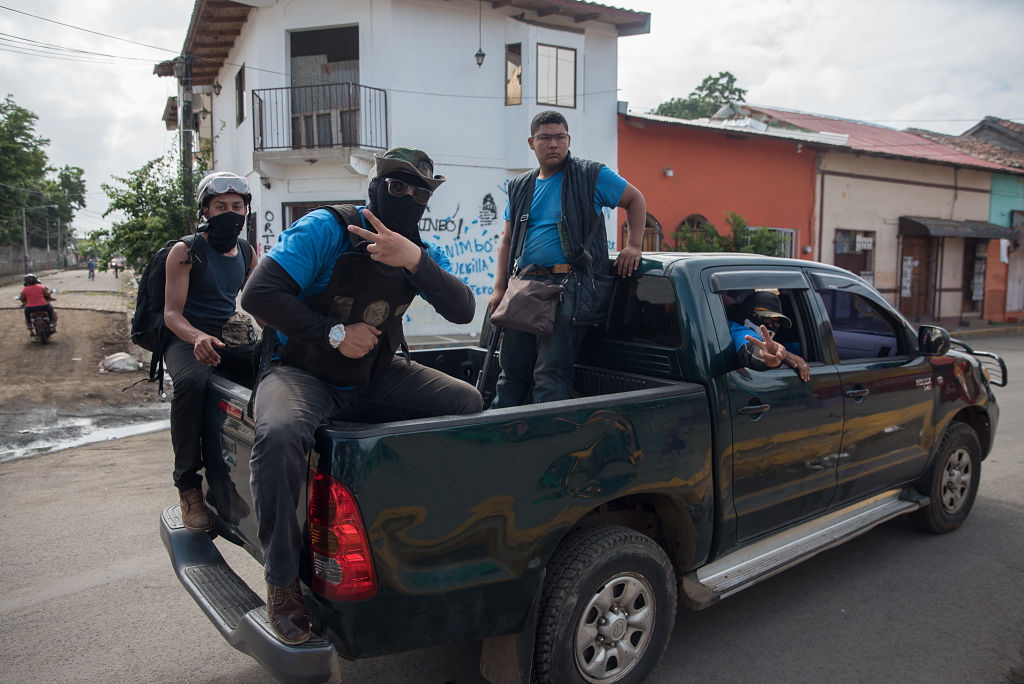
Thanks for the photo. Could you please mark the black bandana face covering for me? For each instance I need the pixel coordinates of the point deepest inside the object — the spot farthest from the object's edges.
(222, 230)
(400, 214)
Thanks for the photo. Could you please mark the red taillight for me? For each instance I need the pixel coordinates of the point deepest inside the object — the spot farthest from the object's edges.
(342, 563)
(230, 409)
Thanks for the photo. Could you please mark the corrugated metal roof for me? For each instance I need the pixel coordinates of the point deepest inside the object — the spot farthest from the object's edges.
(832, 139)
(867, 137)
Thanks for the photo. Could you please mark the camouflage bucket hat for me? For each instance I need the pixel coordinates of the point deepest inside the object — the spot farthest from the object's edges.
(410, 160)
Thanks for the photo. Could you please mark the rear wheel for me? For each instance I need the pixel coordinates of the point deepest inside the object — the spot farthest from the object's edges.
(42, 326)
(954, 481)
(607, 609)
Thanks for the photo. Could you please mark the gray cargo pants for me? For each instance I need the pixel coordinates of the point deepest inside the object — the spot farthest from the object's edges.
(291, 404)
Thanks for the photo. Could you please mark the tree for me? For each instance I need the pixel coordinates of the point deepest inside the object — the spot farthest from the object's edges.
(150, 198)
(27, 180)
(742, 238)
(705, 99)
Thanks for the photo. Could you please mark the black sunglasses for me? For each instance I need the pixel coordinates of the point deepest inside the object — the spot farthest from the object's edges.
(399, 188)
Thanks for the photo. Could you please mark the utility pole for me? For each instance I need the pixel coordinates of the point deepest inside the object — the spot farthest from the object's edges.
(60, 255)
(187, 124)
(24, 230)
(47, 243)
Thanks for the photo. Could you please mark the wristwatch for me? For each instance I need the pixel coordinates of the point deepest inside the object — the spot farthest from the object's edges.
(336, 336)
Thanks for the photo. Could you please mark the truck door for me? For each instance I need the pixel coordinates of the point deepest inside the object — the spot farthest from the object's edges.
(786, 432)
(887, 388)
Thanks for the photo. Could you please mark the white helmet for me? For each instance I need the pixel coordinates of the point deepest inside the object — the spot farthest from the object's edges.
(222, 183)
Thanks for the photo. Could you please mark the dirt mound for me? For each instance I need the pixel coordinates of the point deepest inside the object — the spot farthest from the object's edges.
(64, 373)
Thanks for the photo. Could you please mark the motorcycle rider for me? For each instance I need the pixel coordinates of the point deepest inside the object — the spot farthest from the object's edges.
(37, 297)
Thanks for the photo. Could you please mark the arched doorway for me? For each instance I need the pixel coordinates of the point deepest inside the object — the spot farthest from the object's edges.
(653, 237)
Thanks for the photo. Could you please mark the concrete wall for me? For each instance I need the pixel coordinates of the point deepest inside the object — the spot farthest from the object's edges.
(768, 182)
(871, 193)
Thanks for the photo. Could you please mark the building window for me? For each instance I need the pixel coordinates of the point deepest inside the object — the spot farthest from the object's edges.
(653, 236)
(240, 96)
(855, 251)
(556, 76)
(787, 243)
(514, 74)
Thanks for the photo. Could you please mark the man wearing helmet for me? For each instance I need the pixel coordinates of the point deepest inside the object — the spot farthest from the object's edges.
(196, 314)
(336, 291)
(37, 297)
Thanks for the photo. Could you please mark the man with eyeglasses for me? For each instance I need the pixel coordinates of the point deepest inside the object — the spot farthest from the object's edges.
(196, 313)
(336, 288)
(565, 233)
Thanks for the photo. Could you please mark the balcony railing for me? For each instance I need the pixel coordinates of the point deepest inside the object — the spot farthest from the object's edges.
(320, 116)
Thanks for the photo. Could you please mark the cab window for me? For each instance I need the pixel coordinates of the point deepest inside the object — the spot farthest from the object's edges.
(861, 329)
(797, 338)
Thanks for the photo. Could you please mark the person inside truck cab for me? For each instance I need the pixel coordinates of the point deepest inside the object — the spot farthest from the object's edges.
(335, 287)
(753, 324)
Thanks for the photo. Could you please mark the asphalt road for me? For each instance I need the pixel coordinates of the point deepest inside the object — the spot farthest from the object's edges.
(89, 595)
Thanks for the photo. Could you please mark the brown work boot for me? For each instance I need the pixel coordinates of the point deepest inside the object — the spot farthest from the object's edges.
(287, 614)
(193, 511)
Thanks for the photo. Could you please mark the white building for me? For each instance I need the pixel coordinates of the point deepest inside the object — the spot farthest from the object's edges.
(298, 96)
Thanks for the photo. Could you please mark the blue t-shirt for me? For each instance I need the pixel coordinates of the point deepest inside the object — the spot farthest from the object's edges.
(309, 248)
(739, 334)
(542, 245)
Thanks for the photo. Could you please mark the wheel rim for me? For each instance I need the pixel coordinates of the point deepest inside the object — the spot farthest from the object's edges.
(956, 480)
(615, 628)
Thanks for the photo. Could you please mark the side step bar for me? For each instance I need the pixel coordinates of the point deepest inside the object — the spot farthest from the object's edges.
(235, 610)
(751, 564)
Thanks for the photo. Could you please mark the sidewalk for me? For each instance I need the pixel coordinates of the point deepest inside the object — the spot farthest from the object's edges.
(74, 290)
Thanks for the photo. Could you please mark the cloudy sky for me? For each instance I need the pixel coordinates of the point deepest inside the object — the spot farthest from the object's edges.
(936, 64)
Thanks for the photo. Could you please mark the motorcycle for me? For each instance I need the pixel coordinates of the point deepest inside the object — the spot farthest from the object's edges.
(41, 326)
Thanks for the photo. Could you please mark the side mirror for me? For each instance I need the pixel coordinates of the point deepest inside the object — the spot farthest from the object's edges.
(932, 340)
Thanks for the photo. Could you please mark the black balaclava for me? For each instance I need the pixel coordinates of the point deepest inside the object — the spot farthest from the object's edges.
(400, 214)
(222, 230)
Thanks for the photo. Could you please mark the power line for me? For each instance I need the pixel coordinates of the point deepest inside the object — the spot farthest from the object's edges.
(79, 28)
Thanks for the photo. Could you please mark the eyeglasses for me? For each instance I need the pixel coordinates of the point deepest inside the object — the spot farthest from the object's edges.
(399, 188)
(544, 138)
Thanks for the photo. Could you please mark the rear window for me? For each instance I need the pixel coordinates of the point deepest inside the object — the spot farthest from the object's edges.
(644, 310)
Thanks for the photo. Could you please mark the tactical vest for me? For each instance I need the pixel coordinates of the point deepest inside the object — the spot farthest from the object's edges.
(361, 290)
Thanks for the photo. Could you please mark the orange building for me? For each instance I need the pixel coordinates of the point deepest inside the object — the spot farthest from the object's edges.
(693, 173)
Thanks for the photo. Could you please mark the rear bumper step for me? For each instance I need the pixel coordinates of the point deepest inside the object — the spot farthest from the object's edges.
(751, 564)
(237, 612)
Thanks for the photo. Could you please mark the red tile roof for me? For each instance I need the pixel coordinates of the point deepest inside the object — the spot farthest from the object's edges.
(876, 139)
(975, 147)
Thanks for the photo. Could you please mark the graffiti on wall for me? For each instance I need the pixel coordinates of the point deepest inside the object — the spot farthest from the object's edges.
(267, 235)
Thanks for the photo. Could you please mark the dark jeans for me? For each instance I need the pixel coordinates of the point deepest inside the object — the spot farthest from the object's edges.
(543, 365)
(190, 378)
(291, 403)
(46, 307)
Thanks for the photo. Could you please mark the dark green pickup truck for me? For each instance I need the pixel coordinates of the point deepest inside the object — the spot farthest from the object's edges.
(564, 534)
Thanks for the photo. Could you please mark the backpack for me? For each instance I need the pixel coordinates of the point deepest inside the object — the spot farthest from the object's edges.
(148, 328)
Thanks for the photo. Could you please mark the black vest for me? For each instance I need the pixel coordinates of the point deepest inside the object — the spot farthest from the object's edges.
(360, 291)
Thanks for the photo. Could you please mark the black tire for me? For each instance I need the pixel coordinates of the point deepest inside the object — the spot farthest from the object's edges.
(607, 609)
(953, 482)
(42, 326)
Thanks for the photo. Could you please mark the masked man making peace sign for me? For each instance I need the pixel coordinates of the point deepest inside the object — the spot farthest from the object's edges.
(336, 293)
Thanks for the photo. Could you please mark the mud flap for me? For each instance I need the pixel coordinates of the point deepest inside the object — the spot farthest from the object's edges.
(508, 659)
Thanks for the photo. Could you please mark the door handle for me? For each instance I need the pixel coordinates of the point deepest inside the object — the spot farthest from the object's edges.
(857, 394)
(754, 409)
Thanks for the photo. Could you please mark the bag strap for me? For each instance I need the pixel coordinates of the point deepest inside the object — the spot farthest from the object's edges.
(524, 218)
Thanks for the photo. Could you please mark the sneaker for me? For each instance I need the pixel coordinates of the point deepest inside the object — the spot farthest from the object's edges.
(193, 511)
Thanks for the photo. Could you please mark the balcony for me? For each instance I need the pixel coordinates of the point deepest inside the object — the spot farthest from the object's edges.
(318, 121)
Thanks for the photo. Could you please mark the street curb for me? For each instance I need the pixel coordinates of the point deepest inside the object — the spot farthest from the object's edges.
(987, 330)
